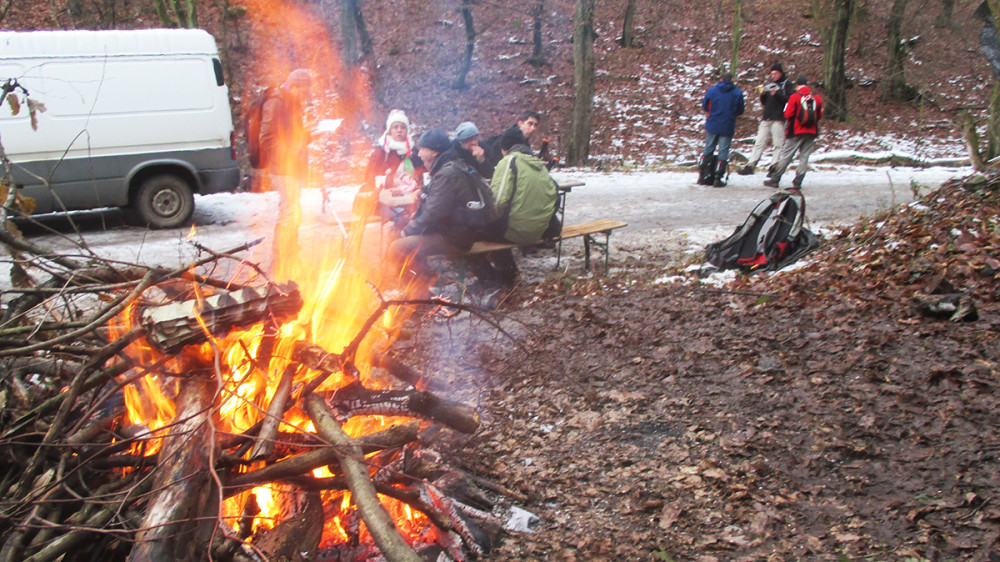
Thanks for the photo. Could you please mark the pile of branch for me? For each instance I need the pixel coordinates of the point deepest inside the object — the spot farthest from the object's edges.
(78, 482)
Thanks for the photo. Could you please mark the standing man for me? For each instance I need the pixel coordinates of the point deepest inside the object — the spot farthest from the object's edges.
(723, 102)
(773, 97)
(802, 115)
(284, 140)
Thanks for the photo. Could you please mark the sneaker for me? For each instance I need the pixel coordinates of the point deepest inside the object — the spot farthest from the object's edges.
(771, 182)
(746, 170)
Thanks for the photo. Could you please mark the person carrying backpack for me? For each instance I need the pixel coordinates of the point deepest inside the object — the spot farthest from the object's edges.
(802, 115)
(773, 97)
(724, 103)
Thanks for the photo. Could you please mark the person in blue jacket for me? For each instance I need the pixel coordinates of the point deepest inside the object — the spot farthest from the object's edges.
(723, 102)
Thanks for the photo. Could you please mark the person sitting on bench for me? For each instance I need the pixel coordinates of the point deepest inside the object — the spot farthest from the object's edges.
(456, 209)
(525, 197)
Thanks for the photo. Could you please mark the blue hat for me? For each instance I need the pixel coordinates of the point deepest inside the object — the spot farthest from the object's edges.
(466, 131)
(436, 140)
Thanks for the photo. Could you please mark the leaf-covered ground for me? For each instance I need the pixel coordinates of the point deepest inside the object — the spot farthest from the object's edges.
(810, 414)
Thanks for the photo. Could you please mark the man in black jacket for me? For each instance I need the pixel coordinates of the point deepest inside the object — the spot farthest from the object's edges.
(773, 97)
(456, 209)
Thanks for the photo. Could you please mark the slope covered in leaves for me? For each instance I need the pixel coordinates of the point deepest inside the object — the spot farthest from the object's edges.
(828, 418)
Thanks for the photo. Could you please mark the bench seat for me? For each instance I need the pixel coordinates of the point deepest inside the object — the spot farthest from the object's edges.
(585, 230)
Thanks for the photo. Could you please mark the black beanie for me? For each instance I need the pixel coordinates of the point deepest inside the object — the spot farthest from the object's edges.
(801, 80)
(512, 137)
(436, 140)
(777, 66)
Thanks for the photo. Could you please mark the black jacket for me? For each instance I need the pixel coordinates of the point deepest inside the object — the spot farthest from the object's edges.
(774, 97)
(491, 147)
(444, 203)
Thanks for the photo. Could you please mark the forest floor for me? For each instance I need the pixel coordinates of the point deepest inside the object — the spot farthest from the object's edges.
(809, 414)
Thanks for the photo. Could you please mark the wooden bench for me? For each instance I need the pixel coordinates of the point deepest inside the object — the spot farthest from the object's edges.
(586, 230)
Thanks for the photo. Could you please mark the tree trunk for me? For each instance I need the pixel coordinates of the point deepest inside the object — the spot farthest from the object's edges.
(944, 18)
(834, 71)
(628, 38)
(536, 58)
(896, 80)
(356, 42)
(470, 42)
(583, 82)
(737, 37)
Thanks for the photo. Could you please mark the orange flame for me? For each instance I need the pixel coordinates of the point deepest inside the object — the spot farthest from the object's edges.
(334, 279)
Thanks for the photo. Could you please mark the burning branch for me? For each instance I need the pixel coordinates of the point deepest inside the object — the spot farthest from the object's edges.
(380, 524)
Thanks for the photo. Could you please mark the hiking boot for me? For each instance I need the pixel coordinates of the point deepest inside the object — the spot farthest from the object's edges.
(797, 180)
(746, 170)
(720, 174)
(772, 181)
(771, 169)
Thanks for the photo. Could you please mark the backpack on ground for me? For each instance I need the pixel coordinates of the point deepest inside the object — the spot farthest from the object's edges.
(254, 116)
(707, 168)
(807, 111)
(771, 237)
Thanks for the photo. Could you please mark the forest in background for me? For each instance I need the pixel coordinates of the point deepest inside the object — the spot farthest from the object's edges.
(409, 54)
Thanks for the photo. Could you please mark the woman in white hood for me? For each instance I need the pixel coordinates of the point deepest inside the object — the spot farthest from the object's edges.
(395, 173)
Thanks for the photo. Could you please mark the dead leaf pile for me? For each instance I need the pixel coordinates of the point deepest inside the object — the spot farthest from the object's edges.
(675, 422)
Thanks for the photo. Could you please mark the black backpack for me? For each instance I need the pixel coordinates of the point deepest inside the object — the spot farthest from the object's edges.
(771, 237)
(707, 169)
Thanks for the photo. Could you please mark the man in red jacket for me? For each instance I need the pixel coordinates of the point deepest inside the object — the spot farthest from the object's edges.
(802, 114)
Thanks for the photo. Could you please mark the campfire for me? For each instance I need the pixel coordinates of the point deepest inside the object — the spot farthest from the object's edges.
(192, 414)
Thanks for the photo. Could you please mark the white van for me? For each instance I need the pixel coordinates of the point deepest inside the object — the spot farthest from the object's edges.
(137, 118)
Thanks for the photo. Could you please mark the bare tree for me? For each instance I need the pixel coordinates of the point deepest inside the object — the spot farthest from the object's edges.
(944, 18)
(628, 25)
(989, 45)
(536, 58)
(470, 44)
(896, 88)
(737, 36)
(583, 82)
(356, 41)
(180, 13)
(834, 62)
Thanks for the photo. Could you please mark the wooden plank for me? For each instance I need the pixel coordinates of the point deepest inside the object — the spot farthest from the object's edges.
(574, 231)
(591, 228)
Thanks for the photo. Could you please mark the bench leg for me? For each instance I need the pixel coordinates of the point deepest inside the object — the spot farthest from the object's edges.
(605, 246)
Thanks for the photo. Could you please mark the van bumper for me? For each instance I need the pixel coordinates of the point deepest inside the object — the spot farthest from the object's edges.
(217, 181)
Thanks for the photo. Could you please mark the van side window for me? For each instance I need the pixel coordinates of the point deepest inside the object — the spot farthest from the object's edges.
(219, 80)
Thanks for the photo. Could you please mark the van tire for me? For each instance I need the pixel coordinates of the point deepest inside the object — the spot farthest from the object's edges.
(164, 201)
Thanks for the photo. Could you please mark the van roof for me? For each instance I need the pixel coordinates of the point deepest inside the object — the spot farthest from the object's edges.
(81, 43)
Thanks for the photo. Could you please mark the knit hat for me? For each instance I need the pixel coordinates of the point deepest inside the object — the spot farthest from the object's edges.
(396, 116)
(436, 140)
(801, 80)
(466, 131)
(512, 137)
(777, 66)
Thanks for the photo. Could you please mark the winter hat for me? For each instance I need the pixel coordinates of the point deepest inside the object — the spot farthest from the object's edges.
(512, 137)
(801, 80)
(777, 66)
(466, 131)
(436, 140)
(397, 116)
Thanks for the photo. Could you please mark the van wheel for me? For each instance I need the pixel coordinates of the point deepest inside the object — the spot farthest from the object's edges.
(164, 201)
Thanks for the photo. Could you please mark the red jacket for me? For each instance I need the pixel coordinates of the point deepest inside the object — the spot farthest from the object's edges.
(792, 125)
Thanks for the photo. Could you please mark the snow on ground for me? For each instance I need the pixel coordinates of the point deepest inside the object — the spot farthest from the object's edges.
(669, 216)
